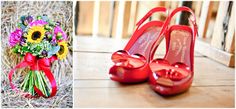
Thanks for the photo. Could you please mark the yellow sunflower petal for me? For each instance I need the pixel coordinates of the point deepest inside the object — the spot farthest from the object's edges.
(61, 54)
(39, 30)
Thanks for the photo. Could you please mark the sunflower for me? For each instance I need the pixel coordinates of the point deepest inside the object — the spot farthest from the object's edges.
(61, 54)
(35, 34)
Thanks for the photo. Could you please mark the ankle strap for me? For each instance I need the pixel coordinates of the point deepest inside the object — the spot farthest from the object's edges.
(149, 14)
(193, 21)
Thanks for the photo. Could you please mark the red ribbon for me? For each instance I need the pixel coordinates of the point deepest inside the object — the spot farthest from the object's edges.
(40, 65)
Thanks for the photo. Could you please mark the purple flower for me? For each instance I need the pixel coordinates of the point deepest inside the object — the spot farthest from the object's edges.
(22, 41)
(29, 19)
(15, 37)
(58, 23)
(38, 23)
(58, 29)
(44, 53)
(54, 42)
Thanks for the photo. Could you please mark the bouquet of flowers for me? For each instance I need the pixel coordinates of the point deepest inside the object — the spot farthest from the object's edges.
(40, 41)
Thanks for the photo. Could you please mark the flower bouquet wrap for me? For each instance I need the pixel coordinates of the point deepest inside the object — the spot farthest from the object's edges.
(40, 41)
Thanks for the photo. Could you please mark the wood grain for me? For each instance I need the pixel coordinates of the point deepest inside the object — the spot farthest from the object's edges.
(142, 96)
(213, 84)
(205, 18)
(218, 33)
(104, 18)
(230, 37)
(216, 54)
(85, 19)
(109, 45)
(96, 66)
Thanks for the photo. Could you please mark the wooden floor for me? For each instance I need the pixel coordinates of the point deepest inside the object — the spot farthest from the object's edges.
(213, 84)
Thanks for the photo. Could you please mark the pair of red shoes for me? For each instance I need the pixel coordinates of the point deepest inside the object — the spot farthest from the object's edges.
(171, 75)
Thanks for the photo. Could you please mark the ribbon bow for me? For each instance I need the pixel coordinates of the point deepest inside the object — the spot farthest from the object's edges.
(37, 64)
(176, 71)
(122, 58)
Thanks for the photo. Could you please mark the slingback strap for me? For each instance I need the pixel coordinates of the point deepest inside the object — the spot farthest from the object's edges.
(193, 21)
(149, 14)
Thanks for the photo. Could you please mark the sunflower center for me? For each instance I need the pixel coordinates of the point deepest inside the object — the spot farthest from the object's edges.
(61, 51)
(36, 35)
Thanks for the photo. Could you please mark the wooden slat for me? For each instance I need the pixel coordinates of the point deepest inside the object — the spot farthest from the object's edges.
(114, 25)
(104, 18)
(142, 96)
(174, 4)
(205, 18)
(96, 15)
(215, 53)
(214, 50)
(144, 7)
(107, 83)
(98, 44)
(126, 19)
(99, 69)
(197, 9)
(218, 33)
(120, 19)
(230, 37)
(133, 16)
(111, 45)
(85, 19)
(209, 17)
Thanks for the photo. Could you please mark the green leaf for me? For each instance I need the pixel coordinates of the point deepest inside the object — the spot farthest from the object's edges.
(39, 17)
(25, 49)
(47, 27)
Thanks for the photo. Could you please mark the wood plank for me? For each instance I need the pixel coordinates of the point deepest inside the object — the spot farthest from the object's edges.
(108, 45)
(141, 96)
(126, 19)
(120, 19)
(104, 18)
(197, 6)
(98, 44)
(133, 16)
(230, 37)
(96, 66)
(102, 83)
(174, 4)
(85, 19)
(218, 33)
(114, 25)
(213, 85)
(144, 7)
(205, 18)
(215, 53)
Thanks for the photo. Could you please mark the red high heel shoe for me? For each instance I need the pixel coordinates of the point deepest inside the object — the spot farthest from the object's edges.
(131, 64)
(174, 73)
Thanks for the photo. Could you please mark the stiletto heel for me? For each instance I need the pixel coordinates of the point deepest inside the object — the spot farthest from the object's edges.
(174, 73)
(132, 63)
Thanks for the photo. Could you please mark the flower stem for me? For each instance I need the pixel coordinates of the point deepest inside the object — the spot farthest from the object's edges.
(35, 78)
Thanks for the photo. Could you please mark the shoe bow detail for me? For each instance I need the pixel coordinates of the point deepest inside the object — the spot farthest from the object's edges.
(174, 72)
(123, 59)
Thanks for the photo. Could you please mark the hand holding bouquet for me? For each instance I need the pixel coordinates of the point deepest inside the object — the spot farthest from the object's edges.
(41, 41)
